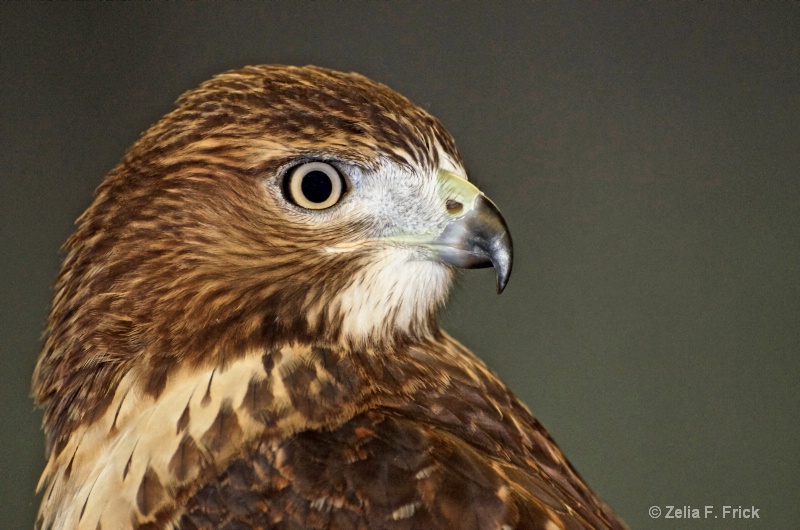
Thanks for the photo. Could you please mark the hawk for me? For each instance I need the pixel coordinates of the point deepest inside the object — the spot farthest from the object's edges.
(244, 333)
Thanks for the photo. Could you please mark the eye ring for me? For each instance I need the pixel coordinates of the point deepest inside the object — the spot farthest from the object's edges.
(314, 185)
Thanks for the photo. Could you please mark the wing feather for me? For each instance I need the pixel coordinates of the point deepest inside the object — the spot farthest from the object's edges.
(382, 469)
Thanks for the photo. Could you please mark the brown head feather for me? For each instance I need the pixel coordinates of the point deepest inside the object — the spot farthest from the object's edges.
(181, 257)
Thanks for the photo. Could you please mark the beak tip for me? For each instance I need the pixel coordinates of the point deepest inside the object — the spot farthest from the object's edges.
(501, 285)
(503, 271)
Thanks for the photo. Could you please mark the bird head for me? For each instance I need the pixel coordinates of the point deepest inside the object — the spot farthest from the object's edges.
(275, 204)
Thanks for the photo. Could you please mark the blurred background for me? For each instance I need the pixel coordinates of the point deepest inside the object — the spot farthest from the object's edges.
(646, 157)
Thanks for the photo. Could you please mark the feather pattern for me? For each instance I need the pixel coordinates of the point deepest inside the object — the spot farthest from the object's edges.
(218, 357)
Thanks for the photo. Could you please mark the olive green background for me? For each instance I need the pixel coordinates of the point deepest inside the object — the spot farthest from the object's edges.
(646, 157)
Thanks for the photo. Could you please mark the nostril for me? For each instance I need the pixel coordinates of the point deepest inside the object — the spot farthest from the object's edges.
(453, 207)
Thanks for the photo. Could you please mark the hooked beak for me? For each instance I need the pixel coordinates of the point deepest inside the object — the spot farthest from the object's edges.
(477, 236)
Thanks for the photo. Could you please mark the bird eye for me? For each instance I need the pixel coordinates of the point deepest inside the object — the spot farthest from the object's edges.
(314, 185)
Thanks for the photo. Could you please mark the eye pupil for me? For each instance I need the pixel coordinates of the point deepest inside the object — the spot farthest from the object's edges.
(317, 186)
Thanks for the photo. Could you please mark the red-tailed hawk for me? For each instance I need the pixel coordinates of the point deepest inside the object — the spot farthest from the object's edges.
(244, 330)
